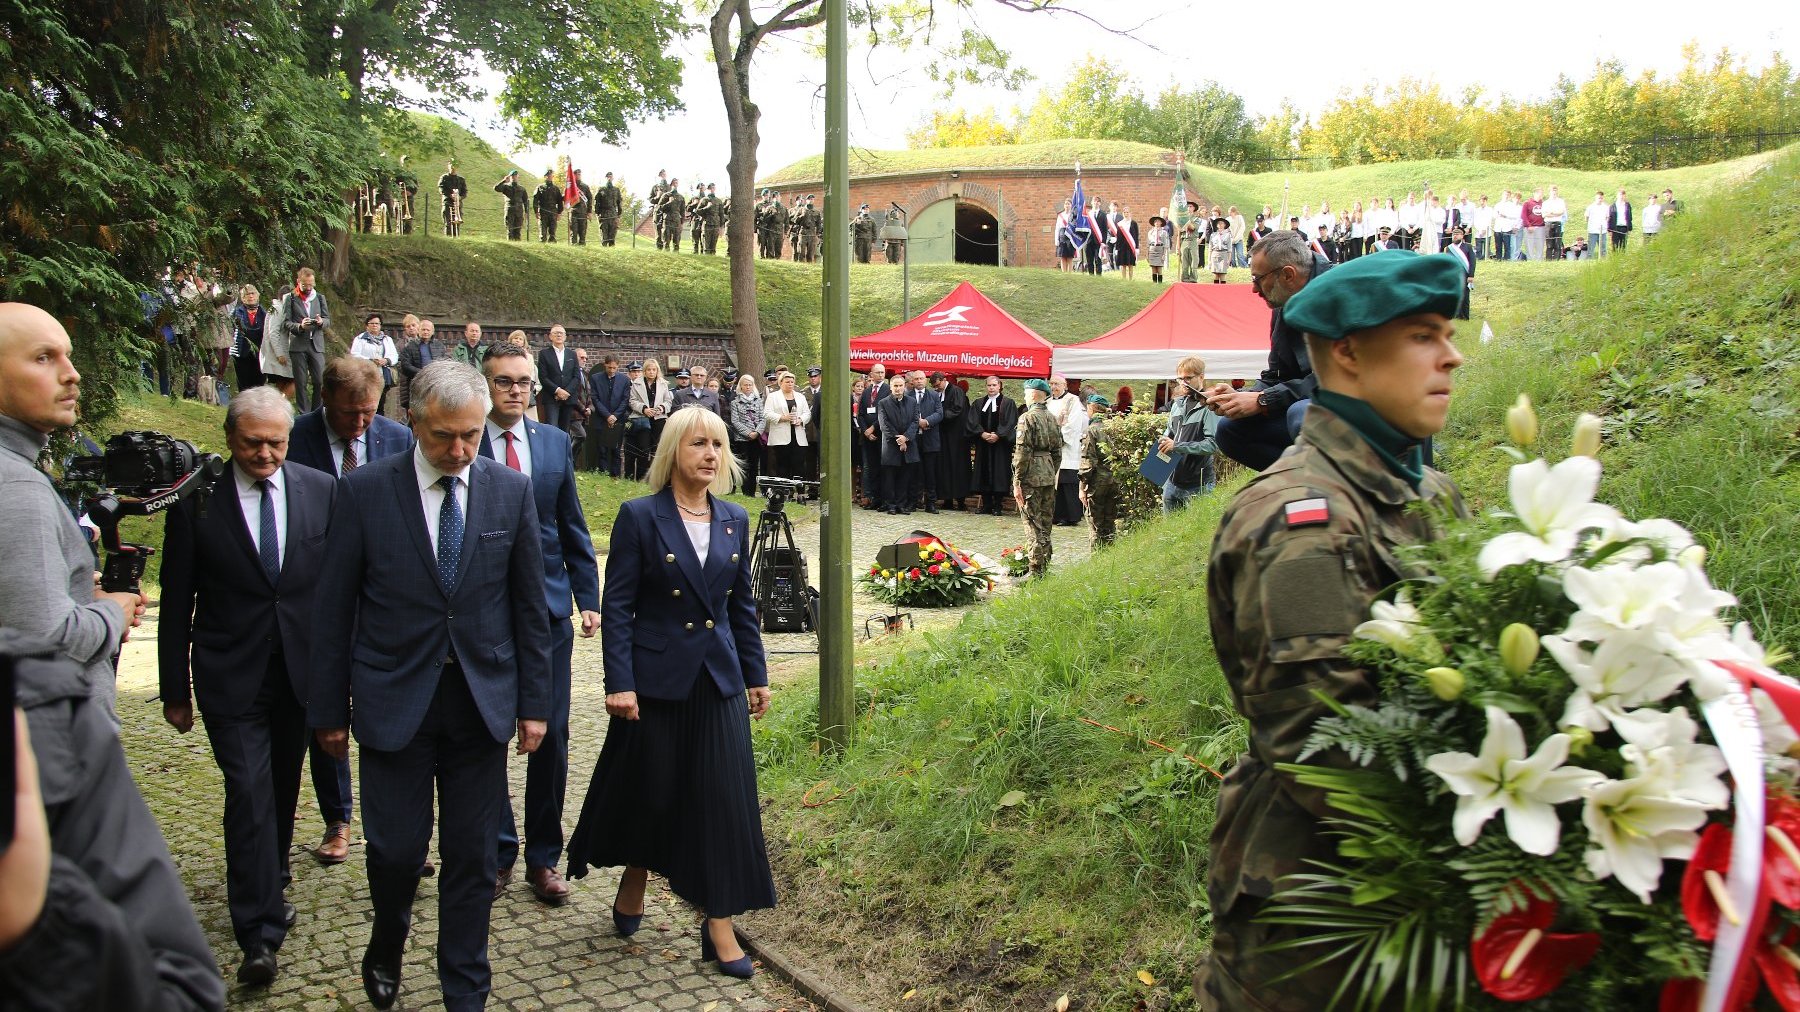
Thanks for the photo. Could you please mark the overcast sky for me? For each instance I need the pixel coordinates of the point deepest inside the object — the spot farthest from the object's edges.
(1305, 51)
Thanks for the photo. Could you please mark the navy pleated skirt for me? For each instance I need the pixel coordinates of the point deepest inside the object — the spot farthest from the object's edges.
(675, 792)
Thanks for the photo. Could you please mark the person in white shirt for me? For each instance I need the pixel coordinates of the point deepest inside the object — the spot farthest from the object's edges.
(1481, 219)
(1238, 232)
(1072, 419)
(787, 414)
(1411, 219)
(1653, 218)
(1596, 225)
(1507, 217)
(374, 345)
(1556, 215)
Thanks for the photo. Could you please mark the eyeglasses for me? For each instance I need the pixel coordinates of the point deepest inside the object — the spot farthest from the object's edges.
(507, 382)
(1256, 279)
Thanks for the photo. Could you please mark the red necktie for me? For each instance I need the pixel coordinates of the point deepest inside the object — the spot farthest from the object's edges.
(349, 457)
(512, 455)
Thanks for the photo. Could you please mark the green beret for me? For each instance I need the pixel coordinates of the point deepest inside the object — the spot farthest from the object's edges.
(1100, 399)
(1037, 384)
(1375, 289)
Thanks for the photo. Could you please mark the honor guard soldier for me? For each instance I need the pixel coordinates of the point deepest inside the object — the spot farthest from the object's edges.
(657, 190)
(608, 204)
(892, 249)
(712, 213)
(454, 190)
(811, 224)
(516, 200)
(673, 207)
(1035, 457)
(1300, 554)
(863, 229)
(1099, 493)
(548, 203)
(795, 216)
(695, 209)
(579, 211)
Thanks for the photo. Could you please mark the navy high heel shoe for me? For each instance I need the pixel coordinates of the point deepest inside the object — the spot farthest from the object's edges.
(627, 924)
(740, 968)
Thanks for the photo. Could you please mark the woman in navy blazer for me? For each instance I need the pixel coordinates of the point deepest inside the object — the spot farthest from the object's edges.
(674, 790)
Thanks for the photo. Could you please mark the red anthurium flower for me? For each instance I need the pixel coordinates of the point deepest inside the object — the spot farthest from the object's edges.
(1781, 852)
(1780, 968)
(1681, 996)
(1516, 959)
(1698, 900)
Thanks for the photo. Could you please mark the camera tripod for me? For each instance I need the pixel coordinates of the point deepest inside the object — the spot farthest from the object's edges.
(784, 591)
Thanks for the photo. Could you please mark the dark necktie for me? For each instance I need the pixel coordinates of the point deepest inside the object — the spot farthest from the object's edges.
(268, 544)
(512, 453)
(450, 533)
(349, 457)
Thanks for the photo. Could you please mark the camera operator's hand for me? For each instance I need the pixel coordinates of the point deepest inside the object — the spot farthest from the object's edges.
(25, 867)
(180, 716)
(335, 741)
(133, 607)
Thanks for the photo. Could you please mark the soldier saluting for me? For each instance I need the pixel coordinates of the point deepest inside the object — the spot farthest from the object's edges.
(548, 203)
(454, 190)
(1299, 556)
(608, 205)
(516, 200)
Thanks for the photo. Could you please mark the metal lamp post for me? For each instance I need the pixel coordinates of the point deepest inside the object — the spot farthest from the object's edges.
(895, 232)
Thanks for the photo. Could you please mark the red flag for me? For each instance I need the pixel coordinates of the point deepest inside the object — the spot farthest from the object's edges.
(571, 193)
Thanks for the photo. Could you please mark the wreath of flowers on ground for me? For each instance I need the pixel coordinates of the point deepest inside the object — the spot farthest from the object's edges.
(1533, 804)
(943, 578)
(1016, 559)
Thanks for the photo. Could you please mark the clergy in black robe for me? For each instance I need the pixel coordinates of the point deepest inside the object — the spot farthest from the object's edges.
(993, 424)
(953, 455)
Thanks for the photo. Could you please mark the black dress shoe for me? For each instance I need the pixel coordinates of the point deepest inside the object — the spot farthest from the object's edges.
(258, 967)
(381, 979)
(931, 507)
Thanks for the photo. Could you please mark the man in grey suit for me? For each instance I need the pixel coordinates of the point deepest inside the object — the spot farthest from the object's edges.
(431, 615)
(48, 591)
(305, 321)
(343, 434)
(238, 574)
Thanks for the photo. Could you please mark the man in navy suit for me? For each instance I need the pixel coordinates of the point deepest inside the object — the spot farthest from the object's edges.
(559, 373)
(431, 615)
(931, 415)
(541, 453)
(612, 405)
(238, 574)
(344, 433)
(1618, 221)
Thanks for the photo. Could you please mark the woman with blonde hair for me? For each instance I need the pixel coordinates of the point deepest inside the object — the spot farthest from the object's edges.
(787, 414)
(674, 789)
(651, 400)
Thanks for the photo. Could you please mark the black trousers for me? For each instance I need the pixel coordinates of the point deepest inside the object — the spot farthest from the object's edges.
(547, 769)
(1068, 497)
(925, 476)
(898, 484)
(749, 455)
(790, 460)
(871, 468)
(454, 755)
(259, 753)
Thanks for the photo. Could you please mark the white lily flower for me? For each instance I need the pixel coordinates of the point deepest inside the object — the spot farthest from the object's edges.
(1622, 597)
(1504, 779)
(1635, 826)
(1777, 734)
(1554, 505)
(1399, 625)
(1628, 669)
(1667, 535)
(1661, 745)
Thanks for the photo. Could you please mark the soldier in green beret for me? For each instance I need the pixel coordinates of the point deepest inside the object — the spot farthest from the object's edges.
(1300, 554)
(1036, 454)
(1099, 493)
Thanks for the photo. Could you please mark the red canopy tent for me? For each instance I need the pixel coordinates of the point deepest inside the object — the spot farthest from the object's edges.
(965, 335)
(1227, 325)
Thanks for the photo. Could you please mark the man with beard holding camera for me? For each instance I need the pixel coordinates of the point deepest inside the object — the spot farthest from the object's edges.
(48, 591)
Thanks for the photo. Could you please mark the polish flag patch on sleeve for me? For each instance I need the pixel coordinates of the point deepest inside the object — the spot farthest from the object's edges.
(1304, 512)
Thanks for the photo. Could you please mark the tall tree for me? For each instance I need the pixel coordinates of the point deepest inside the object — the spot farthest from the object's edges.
(736, 31)
(141, 134)
(1098, 103)
(1208, 122)
(961, 129)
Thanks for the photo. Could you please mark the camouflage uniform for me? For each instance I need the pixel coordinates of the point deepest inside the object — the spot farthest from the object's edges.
(1035, 456)
(1096, 475)
(1299, 556)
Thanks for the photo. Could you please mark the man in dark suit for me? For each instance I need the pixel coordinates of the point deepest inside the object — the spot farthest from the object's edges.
(1618, 221)
(696, 391)
(238, 576)
(305, 318)
(868, 404)
(343, 434)
(898, 418)
(931, 416)
(558, 373)
(1459, 247)
(953, 459)
(541, 453)
(431, 615)
(612, 405)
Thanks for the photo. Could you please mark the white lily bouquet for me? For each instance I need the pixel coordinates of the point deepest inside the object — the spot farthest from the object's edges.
(1575, 791)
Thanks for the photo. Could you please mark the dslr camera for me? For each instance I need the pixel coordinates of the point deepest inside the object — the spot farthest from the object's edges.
(141, 473)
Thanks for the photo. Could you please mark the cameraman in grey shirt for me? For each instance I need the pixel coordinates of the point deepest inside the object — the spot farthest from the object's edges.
(47, 588)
